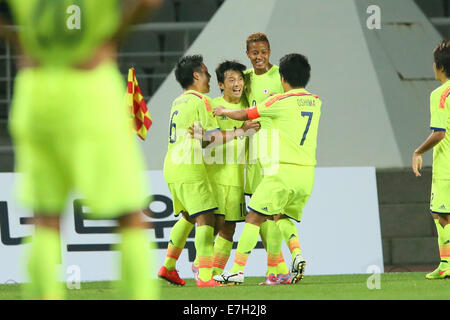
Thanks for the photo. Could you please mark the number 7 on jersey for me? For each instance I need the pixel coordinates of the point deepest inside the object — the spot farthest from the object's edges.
(309, 115)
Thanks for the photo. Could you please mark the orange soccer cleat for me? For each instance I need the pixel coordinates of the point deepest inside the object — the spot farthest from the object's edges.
(170, 276)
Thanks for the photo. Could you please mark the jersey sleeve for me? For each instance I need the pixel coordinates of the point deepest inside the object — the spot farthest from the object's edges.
(209, 122)
(439, 111)
(268, 109)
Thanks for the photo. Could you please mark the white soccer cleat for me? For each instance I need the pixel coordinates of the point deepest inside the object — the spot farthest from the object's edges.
(230, 278)
(298, 268)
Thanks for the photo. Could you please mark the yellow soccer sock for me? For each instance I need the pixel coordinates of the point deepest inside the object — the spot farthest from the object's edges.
(290, 235)
(178, 235)
(222, 249)
(274, 241)
(43, 266)
(137, 263)
(282, 266)
(263, 232)
(204, 237)
(246, 244)
(444, 246)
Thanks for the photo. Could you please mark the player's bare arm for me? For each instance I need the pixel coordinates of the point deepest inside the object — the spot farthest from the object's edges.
(240, 115)
(223, 136)
(429, 144)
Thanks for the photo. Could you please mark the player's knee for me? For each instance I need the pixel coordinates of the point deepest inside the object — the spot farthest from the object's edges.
(207, 218)
(187, 217)
(255, 218)
(227, 232)
(132, 220)
(444, 219)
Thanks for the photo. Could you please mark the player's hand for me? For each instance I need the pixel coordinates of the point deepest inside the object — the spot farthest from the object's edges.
(250, 127)
(218, 111)
(417, 164)
(196, 132)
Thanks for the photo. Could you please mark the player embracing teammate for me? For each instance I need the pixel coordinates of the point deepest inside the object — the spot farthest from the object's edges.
(281, 105)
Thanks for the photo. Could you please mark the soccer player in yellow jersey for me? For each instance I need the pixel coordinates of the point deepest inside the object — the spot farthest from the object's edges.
(439, 141)
(262, 81)
(283, 194)
(71, 132)
(185, 171)
(226, 171)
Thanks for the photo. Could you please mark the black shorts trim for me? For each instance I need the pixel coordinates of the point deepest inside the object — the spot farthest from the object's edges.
(202, 212)
(439, 212)
(260, 213)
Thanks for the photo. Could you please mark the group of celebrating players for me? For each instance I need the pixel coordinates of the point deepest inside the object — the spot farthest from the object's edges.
(259, 106)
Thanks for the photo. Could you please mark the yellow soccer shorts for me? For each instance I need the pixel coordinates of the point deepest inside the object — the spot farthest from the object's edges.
(194, 198)
(71, 132)
(286, 191)
(253, 177)
(440, 196)
(231, 202)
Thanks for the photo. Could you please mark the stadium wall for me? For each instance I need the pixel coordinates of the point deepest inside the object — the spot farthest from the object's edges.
(338, 236)
(375, 92)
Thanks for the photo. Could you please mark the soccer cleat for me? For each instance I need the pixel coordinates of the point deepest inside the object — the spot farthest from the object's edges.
(271, 280)
(439, 273)
(195, 271)
(230, 278)
(298, 268)
(170, 276)
(210, 283)
(284, 278)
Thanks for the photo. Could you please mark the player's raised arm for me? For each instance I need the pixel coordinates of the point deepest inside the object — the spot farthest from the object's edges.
(223, 136)
(240, 115)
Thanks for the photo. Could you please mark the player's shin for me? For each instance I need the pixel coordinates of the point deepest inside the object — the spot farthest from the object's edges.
(204, 238)
(444, 248)
(43, 266)
(222, 249)
(274, 242)
(290, 235)
(247, 242)
(135, 265)
(178, 235)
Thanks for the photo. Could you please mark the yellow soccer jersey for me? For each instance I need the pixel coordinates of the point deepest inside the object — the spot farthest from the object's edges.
(257, 89)
(226, 162)
(295, 117)
(65, 32)
(440, 121)
(184, 159)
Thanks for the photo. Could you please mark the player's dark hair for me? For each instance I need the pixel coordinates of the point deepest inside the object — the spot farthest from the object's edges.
(257, 37)
(295, 70)
(185, 68)
(442, 57)
(227, 66)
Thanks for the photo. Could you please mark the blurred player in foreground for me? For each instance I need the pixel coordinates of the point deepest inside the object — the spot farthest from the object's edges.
(71, 132)
(283, 194)
(227, 173)
(439, 141)
(262, 81)
(185, 171)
